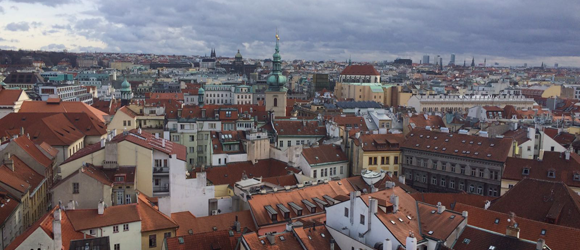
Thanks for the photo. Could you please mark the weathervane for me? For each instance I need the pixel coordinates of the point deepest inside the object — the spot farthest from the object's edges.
(277, 37)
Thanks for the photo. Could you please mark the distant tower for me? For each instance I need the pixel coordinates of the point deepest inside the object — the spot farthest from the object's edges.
(452, 61)
(212, 54)
(484, 62)
(276, 94)
(464, 63)
(473, 62)
(425, 59)
(126, 93)
(200, 96)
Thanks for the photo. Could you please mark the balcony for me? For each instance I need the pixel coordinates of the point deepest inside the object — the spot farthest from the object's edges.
(160, 170)
(161, 190)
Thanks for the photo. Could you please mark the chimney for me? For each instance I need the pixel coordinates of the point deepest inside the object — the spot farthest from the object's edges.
(103, 142)
(163, 143)
(567, 152)
(512, 229)
(156, 135)
(271, 238)
(540, 244)
(464, 214)
(101, 207)
(395, 201)
(56, 229)
(440, 208)
(402, 179)
(332, 242)
(487, 204)
(139, 130)
(411, 242)
(373, 205)
(387, 244)
(71, 205)
(21, 130)
(237, 225)
(389, 184)
(8, 161)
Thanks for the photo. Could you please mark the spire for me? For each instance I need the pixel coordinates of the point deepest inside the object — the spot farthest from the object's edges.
(349, 60)
(473, 62)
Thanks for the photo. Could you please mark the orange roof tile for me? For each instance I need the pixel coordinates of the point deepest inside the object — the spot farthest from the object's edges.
(323, 154)
(151, 218)
(255, 242)
(83, 219)
(233, 172)
(33, 151)
(9, 96)
(225, 221)
(62, 107)
(360, 70)
(209, 240)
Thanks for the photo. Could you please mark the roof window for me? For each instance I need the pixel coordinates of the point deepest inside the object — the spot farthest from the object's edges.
(576, 176)
(526, 171)
(551, 173)
(543, 232)
(496, 221)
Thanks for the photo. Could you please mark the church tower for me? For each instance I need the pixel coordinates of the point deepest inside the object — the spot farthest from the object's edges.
(126, 93)
(276, 94)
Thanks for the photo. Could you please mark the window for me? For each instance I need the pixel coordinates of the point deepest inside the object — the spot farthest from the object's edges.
(117, 246)
(75, 187)
(127, 200)
(462, 170)
(451, 184)
(92, 231)
(192, 138)
(409, 160)
(124, 123)
(373, 160)
(153, 240)
(383, 160)
(129, 123)
(275, 102)
(281, 143)
(289, 143)
(551, 173)
(434, 180)
(479, 190)
(362, 219)
(442, 182)
(510, 186)
(461, 186)
(314, 173)
(453, 168)
(115, 229)
(342, 171)
(471, 189)
(424, 178)
(167, 235)
(424, 163)
(481, 173)
(126, 227)
(346, 212)
(552, 149)
(396, 160)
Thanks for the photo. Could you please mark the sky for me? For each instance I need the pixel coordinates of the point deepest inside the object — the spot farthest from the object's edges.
(510, 32)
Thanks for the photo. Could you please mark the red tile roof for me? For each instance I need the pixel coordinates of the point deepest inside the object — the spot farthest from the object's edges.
(538, 169)
(26, 173)
(9, 96)
(62, 107)
(225, 221)
(210, 240)
(379, 142)
(255, 242)
(312, 238)
(481, 239)
(45, 224)
(552, 202)
(151, 218)
(365, 70)
(54, 129)
(33, 151)
(450, 199)
(323, 154)
(83, 219)
(284, 180)
(8, 177)
(258, 202)
(233, 172)
(8, 205)
(483, 148)
(297, 127)
(421, 121)
(557, 237)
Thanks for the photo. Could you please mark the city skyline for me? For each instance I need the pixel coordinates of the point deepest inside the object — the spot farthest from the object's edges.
(312, 31)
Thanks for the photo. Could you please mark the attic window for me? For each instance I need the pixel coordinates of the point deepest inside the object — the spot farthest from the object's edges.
(446, 140)
(471, 142)
(263, 242)
(488, 155)
(443, 149)
(428, 137)
(466, 241)
(282, 238)
(433, 211)
(452, 217)
(496, 221)
(492, 145)
(551, 173)
(526, 171)
(436, 148)
(411, 134)
(543, 232)
(430, 232)
(435, 138)
(456, 151)
(476, 153)
(401, 220)
(463, 141)
(479, 143)
(409, 217)
(428, 146)
(420, 136)
(576, 176)
(491, 248)
(393, 222)
(416, 145)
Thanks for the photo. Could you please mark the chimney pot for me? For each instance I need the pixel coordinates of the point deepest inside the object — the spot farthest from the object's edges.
(540, 244)
(101, 207)
(440, 208)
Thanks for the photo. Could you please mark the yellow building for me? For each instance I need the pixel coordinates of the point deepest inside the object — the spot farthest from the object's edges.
(121, 65)
(155, 226)
(375, 152)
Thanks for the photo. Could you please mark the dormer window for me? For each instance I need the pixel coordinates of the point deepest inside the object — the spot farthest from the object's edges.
(576, 176)
(526, 171)
(551, 173)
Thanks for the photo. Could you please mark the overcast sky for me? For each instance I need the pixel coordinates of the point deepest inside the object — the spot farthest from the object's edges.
(510, 32)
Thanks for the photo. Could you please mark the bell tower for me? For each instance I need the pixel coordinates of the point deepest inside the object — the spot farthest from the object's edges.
(276, 95)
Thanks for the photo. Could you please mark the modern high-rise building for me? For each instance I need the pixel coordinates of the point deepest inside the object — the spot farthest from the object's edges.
(426, 59)
(437, 59)
(452, 61)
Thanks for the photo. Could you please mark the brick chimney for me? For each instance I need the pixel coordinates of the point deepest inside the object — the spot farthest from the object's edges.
(512, 229)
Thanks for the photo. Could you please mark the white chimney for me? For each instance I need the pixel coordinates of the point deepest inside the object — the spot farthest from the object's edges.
(387, 244)
(540, 244)
(56, 229)
(156, 135)
(411, 243)
(567, 154)
(487, 204)
(464, 214)
(440, 208)
(101, 207)
(139, 130)
(71, 205)
(395, 201)
(102, 143)
(163, 142)
(373, 205)
(402, 179)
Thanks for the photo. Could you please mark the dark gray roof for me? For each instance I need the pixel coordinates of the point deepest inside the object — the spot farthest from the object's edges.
(101, 243)
(358, 104)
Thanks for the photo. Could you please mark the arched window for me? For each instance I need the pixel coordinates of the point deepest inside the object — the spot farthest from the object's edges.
(275, 102)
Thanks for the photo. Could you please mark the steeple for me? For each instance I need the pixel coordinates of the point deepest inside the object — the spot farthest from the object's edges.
(276, 80)
(473, 62)
(349, 60)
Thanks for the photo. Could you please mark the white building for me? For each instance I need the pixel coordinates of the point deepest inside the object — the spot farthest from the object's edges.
(67, 93)
(461, 103)
(323, 163)
(219, 94)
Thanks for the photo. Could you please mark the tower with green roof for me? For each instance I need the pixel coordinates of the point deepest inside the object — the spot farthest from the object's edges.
(126, 93)
(276, 94)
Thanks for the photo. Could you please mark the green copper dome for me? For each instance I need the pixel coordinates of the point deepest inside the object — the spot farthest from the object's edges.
(276, 80)
(125, 86)
(238, 55)
(201, 91)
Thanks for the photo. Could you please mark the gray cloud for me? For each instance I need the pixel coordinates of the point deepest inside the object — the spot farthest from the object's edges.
(46, 2)
(1, 10)
(325, 29)
(21, 26)
(53, 46)
(13, 7)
